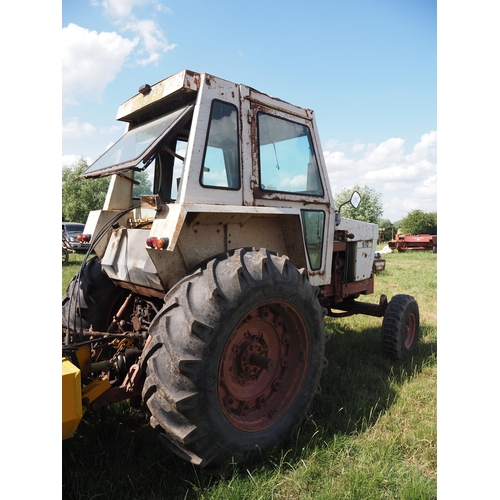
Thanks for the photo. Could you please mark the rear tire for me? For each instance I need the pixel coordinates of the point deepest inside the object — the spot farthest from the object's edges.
(91, 300)
(235, 358)
(400, 327)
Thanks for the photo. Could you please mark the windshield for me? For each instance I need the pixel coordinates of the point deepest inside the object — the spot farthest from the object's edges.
(73, 228)
(138, 144)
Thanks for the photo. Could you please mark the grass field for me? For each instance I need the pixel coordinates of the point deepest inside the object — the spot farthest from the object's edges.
(372, 432)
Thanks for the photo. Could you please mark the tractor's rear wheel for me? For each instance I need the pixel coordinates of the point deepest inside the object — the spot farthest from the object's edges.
(400, 327)
(91, 299)
(235, 357)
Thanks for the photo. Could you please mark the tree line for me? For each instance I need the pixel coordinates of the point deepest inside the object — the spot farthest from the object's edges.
(371, 210)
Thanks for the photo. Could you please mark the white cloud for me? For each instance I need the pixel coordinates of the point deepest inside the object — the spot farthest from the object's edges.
(120, 9)
(70, 159)
(73, 128)
(389, 151)
(425, 148)
(331, 144)
(406, 182)
(337, 160)
(113, 129)
(163, 8)
(392, 173)
(357, 147)
(91, 61)
(428, 188)
(294, 183)
(153, 41)
(123, 8)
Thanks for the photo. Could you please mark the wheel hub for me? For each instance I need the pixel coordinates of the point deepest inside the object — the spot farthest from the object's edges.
(262, 367)
(411, 328)
(251, 358)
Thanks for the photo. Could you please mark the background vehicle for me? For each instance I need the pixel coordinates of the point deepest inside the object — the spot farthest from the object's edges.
(206, 297)
(71, 231)
(67, 249)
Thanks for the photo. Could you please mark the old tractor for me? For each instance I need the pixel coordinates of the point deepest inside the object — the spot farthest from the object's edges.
(206, 296)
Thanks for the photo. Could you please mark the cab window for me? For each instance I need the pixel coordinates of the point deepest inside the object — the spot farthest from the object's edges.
(313, 223)
(221, 162)
(287, 158)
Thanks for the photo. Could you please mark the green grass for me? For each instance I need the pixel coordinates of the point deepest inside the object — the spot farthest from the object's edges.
(69, 270)
(372, 432)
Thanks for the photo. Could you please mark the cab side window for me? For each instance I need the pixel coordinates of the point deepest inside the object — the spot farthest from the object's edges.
(221, 162)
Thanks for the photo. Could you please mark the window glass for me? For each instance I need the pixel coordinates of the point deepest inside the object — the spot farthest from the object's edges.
(181, 149)
(221, 164)
(287, 160)
(164, 174)
(313, 222)
(135, 145)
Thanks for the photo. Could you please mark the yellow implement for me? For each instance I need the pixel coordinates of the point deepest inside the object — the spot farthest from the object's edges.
(72, 411)
(75, 398)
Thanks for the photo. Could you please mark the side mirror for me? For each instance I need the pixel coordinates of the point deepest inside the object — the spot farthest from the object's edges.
(355, 199)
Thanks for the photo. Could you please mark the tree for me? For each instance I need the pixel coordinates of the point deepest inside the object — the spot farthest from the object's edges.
(369, 210)
(387, 230)
(144, 186)
(419, 222)
(80, 196)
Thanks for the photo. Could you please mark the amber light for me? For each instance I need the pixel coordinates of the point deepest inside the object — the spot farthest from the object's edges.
(162, 243)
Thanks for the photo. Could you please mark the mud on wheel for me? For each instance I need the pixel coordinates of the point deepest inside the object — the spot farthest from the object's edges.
(235, 358)
(400, 327)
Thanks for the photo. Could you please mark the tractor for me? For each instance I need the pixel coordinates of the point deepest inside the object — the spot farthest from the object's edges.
(204, 298)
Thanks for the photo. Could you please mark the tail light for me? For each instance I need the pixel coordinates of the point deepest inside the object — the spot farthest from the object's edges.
(84, 238)
(155, 242)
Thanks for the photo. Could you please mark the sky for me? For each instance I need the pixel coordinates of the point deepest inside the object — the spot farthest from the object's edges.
(366, 68)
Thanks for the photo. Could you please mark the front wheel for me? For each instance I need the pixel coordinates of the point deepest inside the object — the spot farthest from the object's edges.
(235, 358)
(400, 327)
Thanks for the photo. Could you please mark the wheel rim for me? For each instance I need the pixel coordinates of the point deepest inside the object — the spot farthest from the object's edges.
(411, 328)
(263, 366)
